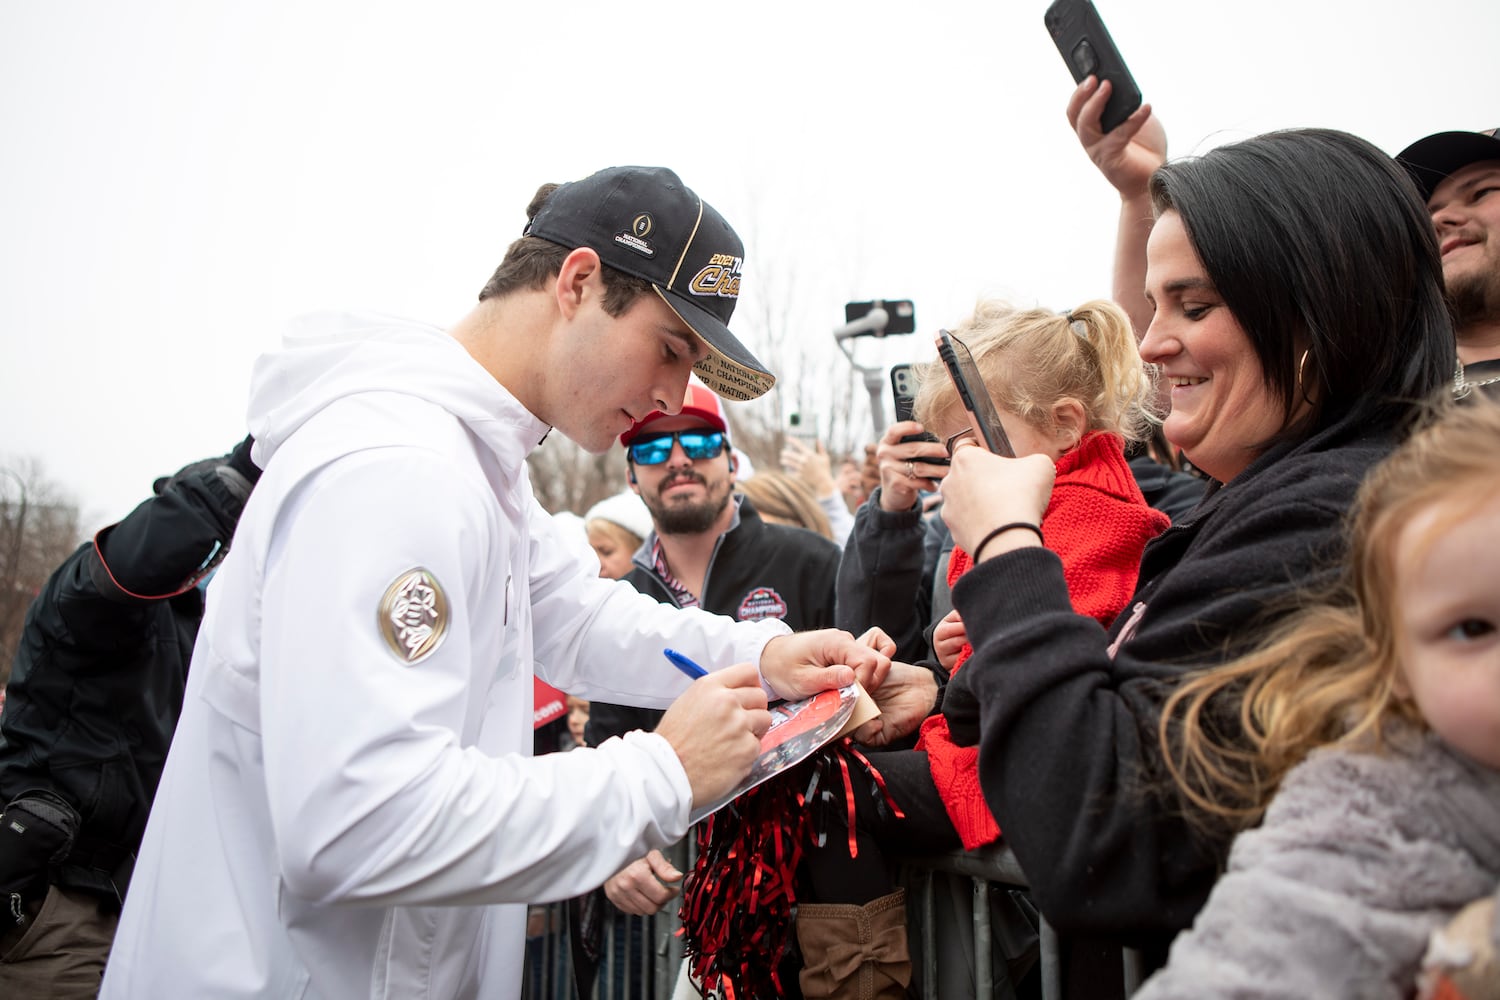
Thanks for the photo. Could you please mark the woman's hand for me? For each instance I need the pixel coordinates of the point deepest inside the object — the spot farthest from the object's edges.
(983, 491)
(1129, 154)
(906, 469)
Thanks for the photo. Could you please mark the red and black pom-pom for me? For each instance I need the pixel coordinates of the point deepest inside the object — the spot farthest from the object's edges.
(740, 900)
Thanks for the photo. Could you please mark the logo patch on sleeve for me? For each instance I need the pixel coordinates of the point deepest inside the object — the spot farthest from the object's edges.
(762, 602)
(413, 615)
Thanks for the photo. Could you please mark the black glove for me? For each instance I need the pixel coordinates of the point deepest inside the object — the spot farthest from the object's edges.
(37, 830)
(239, 461)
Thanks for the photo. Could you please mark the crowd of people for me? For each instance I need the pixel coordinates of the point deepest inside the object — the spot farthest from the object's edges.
(1216, 718)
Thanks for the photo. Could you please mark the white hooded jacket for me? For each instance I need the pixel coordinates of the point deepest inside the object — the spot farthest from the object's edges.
(334, 820)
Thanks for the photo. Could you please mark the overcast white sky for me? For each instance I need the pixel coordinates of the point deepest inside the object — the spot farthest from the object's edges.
(179, 176)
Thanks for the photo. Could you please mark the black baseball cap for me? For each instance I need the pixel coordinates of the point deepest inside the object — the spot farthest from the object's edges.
(1432, 159)
(645, 222)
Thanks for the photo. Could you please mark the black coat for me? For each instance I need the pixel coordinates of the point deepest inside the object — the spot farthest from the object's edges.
(886, 577)
(1068, 736)
(894, 571)
(96, 687)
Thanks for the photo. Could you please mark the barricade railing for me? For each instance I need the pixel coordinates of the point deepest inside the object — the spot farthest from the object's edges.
(977, 885)
(639, 957)
(959, 949)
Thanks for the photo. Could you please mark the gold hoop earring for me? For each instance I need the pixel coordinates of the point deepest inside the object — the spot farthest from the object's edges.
(1302, 386)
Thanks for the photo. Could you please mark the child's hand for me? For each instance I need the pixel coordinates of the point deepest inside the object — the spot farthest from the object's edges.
(949, 639)
(876, 638)
(1461, 962)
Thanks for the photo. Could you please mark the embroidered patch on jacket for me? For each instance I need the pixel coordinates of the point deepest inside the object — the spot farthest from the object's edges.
(413, 615)
(762, 602)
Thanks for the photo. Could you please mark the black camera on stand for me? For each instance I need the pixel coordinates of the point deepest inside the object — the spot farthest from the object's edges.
(876, 318)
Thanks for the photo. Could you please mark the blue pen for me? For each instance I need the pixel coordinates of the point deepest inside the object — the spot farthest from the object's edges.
(684, 664)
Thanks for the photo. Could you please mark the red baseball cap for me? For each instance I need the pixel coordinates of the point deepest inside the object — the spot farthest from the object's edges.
(700, 402)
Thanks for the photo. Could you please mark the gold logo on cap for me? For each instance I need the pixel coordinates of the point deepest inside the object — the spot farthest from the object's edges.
(720, 277)
(413, 615)
(642, 226)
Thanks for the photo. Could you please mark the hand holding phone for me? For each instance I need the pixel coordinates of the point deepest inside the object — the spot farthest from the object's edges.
(1084, 43)
(804, 429)
(983, 416)
(903, 395)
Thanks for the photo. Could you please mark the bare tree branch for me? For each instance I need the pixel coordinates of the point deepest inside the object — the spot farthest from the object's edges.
(38, 529)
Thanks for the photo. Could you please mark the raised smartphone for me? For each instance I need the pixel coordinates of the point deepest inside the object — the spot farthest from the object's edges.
(1083, 40)
(903, 395)
(805, 429)
(983, 416)
(903, 315)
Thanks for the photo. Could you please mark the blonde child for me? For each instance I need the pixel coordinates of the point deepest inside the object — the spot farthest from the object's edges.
(1374, 768)
(1073, 388)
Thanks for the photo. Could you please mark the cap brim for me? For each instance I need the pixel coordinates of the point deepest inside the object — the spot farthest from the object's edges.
(1432, 159)
(730, 369)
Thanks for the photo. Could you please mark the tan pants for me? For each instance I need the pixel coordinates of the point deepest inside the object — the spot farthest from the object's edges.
(60, 954)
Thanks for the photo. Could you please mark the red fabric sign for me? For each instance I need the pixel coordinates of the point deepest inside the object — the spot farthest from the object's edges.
(549, 703)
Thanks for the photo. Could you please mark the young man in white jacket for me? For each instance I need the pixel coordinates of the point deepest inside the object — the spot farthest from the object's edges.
(351, 787)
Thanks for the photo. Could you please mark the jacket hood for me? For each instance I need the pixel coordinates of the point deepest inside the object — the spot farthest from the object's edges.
(325, 357)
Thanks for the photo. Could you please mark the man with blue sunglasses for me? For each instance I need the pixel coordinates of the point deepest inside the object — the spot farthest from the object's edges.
(350, 807)
(709, 548)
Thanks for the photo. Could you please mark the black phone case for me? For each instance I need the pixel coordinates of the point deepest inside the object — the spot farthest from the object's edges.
(1083, 40)
(902, 395)
(976, 400)
(902, 398)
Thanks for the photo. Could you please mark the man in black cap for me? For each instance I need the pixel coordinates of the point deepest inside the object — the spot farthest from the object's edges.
(1459, 175)
(350, 807)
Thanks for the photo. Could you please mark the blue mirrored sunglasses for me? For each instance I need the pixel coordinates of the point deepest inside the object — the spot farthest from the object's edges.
(696, 444)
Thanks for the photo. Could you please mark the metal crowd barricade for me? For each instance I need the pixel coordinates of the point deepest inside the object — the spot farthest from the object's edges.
(639, 957)
(956, 946)
(953, 937)
(950, 927)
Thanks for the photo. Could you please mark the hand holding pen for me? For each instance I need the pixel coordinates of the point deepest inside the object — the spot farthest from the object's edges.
(715, 726)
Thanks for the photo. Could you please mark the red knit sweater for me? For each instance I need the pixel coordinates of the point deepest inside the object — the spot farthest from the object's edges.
(1097, 522)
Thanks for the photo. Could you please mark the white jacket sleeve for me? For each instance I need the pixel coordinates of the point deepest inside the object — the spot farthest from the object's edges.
(391, 782)
(603, 639)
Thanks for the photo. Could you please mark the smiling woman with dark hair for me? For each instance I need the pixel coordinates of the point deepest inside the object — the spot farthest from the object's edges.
(1299, 319)
(1319, 248)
